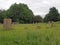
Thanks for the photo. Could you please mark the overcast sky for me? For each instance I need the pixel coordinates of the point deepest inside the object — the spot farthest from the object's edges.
(39, 7)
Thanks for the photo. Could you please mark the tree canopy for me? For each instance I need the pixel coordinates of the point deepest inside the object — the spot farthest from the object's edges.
(1, 15)
(52, 15)
(37, 19)
(20, 13)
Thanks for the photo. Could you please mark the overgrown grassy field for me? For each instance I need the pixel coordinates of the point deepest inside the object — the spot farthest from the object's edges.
(30, 34)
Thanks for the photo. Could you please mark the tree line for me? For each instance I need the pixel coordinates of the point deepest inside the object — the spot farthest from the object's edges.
(22, 14)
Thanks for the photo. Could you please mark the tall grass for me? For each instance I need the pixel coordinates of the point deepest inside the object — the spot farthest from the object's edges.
(29, 34)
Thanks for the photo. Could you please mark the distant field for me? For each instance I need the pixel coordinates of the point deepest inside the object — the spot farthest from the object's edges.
(30, 34)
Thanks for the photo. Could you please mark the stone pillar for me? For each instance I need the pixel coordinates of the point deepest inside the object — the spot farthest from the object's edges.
(7, 23)
(51, 23)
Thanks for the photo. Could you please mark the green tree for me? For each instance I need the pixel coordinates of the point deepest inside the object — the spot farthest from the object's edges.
(59, 17)
(52, 15)
(20, 13)
(37, 19)
(1, 15)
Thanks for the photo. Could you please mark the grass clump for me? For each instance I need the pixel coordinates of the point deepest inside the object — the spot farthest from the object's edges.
(29, 34)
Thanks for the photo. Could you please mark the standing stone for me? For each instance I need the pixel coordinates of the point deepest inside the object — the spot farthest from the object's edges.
(51, 23)
(7, 23)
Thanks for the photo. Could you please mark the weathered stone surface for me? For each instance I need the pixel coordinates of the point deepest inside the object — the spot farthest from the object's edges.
(7, 23)
(51, 23)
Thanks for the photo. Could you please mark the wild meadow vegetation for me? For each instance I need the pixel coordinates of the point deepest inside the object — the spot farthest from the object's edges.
(30, 34)
(27, 33)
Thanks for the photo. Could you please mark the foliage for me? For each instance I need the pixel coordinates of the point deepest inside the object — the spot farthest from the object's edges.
(52, 15)
(20, 12)
(37, 19)
(59, 17)
(1, 15)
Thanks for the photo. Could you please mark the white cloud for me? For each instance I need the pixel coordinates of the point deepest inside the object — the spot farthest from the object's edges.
(39, 7)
